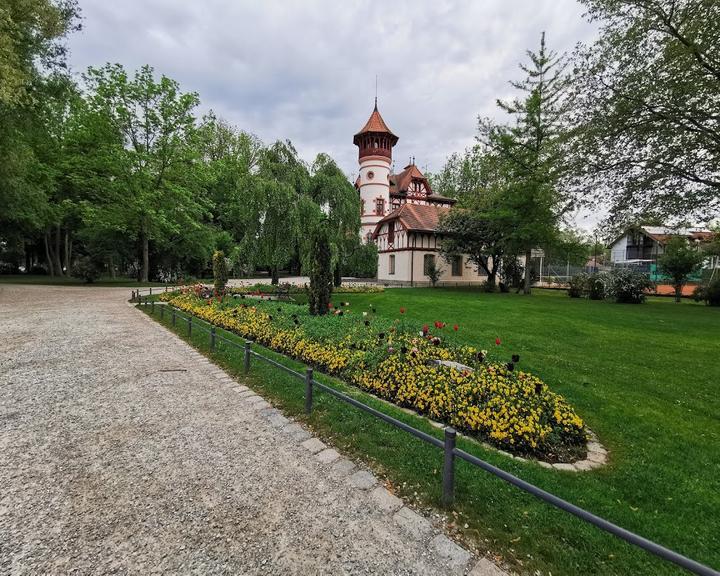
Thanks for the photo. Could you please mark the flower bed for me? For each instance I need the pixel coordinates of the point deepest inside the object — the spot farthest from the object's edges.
(492, 399)
(271, 289)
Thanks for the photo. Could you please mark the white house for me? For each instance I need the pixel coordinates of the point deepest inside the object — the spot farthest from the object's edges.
(400, 213)
(644, 244)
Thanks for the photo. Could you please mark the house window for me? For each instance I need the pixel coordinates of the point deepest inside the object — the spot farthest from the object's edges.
(457, 265)
(391, 232)
(428, 263)
(369, 237)
(380, 206)
(391, 268)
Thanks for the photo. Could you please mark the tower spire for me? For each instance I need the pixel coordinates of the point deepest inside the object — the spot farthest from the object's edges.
(376, 76)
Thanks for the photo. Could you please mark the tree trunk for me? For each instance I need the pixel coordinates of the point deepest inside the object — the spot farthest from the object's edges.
(66, 253)
(111, 266)
(526, 287)
(48, 255)
(678, 292)
(337, 277)
(56, 252)
(145, 256)
(492, 280)
(275, 276)
(28, 258)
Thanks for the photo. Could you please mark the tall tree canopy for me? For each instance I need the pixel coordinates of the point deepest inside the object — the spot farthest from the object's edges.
(646, 108)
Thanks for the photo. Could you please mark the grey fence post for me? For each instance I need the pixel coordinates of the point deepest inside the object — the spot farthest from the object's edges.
(212, 337)
(173, 317)
(448, 492)
(189, 325)
(150, 290)
(308, 390)
(246, 363)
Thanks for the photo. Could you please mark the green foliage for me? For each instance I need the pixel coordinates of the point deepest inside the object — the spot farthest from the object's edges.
(646, 98)
(321, 276)
(627, 286)
(433, 272)
(88, 269)
(709, 292)
(577, 286)
(361, 261)
(220, 272)
(679, 261)
(596, 286)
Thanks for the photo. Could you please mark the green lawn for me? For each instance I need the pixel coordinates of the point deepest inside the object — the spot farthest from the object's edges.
(645, 378)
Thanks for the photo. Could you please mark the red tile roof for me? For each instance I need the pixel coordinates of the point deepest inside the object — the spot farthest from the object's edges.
(375, 124)
(415, 217)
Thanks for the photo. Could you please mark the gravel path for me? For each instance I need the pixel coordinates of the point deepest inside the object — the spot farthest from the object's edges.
(122, 450)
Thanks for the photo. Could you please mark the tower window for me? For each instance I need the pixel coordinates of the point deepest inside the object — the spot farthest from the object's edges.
(380, 206)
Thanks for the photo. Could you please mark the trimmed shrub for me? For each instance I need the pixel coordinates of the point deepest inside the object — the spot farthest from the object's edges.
(220, 271)
(595, 287)
(578, 286)
(627, 286)
(709, 293)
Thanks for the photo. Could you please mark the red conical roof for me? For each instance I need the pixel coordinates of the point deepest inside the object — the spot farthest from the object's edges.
(376, 124)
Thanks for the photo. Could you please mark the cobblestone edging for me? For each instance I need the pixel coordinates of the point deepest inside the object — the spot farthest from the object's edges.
(413, 525)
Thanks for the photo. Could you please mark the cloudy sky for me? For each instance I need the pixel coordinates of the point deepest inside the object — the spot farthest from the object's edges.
(306, 70)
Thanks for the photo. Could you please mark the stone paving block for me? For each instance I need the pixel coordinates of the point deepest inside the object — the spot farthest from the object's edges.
(241, 388)
(297, 432)
(246, 394)
(456, 557)
(262, 405)
(327, 456)
(584, 465)
(385, 501)
(314, 445)
(412, 523)
(565, 467)
(596, 457)
(363, 480)
(343, 467)
(486, 568)
(277, 420)
(544, 464)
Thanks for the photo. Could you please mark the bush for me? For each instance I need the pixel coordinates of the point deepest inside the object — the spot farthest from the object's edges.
(220, 271)
(626, 286)
(578, 286)
(362, 262)
(709, 293)
(87, 269)
(595, 287)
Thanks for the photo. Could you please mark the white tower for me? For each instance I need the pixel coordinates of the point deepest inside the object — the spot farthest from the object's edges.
(375, 142)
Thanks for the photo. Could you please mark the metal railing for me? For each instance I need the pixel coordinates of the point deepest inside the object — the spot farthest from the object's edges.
(447, 445)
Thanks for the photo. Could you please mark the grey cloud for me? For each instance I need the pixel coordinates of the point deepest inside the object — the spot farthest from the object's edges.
(306, 70)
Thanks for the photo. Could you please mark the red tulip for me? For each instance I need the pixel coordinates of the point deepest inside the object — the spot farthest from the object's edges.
(497, 341)
(456, 327)
(402, 310)
(426, 329)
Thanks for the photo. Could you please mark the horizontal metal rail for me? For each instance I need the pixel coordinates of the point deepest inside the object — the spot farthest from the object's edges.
(451, 452)
(381, 415)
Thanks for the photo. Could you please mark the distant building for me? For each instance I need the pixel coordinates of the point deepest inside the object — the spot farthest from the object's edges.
(645, 244)
(400, 213)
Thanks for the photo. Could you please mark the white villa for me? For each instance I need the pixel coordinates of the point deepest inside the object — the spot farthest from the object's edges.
(400, 213)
